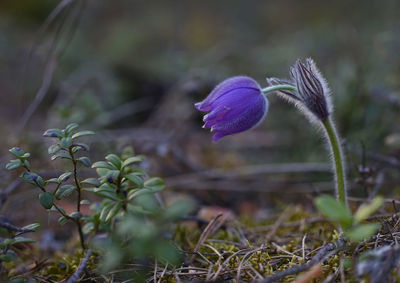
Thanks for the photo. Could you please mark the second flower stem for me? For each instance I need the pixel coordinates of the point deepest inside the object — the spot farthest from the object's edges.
(337, 155)
(338, 160)
(278, 88)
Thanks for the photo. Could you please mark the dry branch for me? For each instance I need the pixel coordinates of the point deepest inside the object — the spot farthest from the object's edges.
(82, 265)
(324, 253)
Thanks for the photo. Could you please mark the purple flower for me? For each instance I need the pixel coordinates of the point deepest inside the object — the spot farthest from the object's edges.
(235, 105)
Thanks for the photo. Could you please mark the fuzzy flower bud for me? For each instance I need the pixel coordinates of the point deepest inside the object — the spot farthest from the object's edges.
(312, 92)
(235, 105)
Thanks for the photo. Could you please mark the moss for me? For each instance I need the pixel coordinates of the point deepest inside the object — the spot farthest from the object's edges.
(63, 266)
(280, 253)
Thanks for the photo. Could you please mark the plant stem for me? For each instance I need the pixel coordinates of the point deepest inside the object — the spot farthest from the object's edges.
(81, 237)
(341, 192)
(78, 205)
(277, 88)
(78, 185)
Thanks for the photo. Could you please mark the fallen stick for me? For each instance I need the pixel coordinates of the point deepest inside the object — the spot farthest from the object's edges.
(324, 253)
(82, 265)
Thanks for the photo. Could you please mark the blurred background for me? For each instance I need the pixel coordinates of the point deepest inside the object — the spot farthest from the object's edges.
(131, 71)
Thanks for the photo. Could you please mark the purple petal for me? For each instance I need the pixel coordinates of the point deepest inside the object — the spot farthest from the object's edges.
(218, 113)
(209, 124)
(236, 102)
(231, 84)
(197, 105)
(218, 135)
(250, 117)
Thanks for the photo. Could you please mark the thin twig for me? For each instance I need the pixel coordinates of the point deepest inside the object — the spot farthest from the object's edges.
(7, 225)
(82, 265)
(163, 273)
(207, 231)
(325, 252)
(278, 247)
(303, 247)
(240, 267)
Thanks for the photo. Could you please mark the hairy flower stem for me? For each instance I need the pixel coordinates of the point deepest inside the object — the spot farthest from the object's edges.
(341, 192)
(338, 161)
(278, 88)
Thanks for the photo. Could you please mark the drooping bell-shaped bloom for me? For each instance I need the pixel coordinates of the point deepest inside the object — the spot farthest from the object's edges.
(235, 105)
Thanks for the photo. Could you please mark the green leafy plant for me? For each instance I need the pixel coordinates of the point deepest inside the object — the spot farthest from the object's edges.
(119, 183)
(143, 236)
(11, 236)
(128, 212)
(353, 226)
(66, 146)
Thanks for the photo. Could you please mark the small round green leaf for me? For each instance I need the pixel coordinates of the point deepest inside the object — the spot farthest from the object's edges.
(70, 128)
(334, 210)
(53, 133)
(32, 178)
(64, 177)
(64, 191)
(154, 184)
(14, 164)
(54, 148)
(62, 155)
(62, 220)
(115, 160)
(32, 226)
(103, 164)
(66, 142)
(366, 210)
(362, 231)
(134, 178)
(91, 181)
(84, 146)
(16, 151)
(131, 160)
(85, 161)
(46, 200)
(76, 215)
(88, 227)
(82, 134)
(21, 240)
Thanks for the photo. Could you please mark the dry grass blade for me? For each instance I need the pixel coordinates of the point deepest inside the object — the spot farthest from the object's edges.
(221, 267)
(163, 273)
(240, 267)
(211, 227)
(285, 251)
